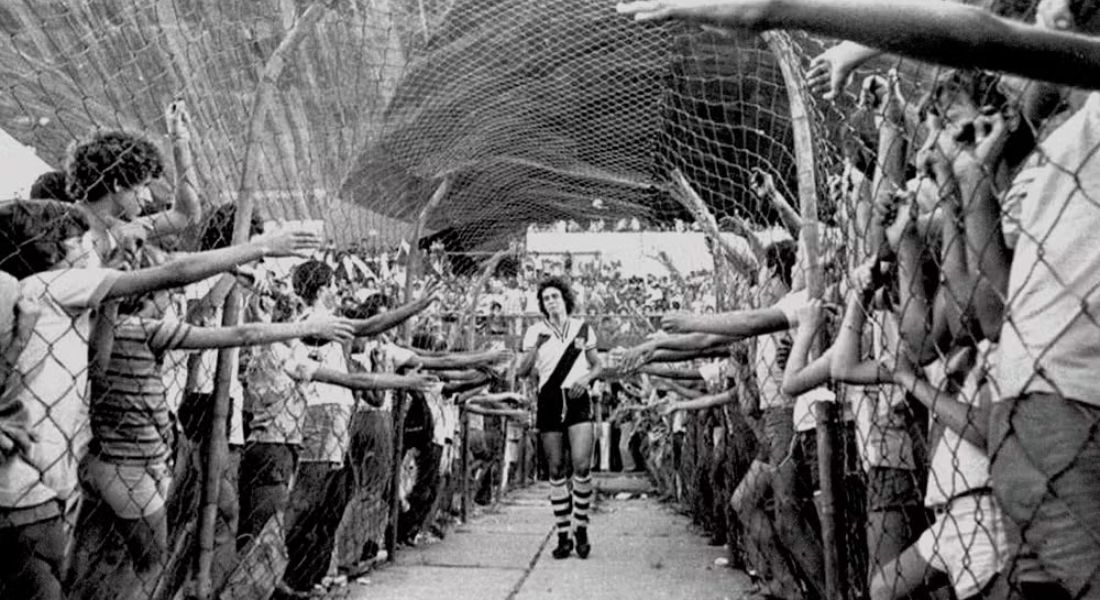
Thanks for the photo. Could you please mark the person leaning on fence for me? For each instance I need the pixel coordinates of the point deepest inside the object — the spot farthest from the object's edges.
(127, 473)
(1043, 440)
(45, 247)
(562, 350)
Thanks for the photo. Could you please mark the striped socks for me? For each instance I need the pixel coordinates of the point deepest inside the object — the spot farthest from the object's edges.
(559, 500)
(582, 499)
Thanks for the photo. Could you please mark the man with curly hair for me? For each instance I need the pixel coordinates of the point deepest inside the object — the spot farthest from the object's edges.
(109, 175)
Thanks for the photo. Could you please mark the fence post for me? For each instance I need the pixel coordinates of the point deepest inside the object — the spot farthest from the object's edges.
(399, 405)
(831, 518)
(216, 453)
(464, 419)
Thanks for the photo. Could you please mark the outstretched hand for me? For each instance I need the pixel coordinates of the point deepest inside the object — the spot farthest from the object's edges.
(829, 73)
(747, 14)
(678, 323)
(287, 242)
(335, 329)
(633, 358)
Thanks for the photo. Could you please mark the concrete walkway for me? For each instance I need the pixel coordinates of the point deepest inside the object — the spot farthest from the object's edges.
(641, 550)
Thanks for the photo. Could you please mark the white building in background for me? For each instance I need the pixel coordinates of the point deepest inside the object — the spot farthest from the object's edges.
(19, 167)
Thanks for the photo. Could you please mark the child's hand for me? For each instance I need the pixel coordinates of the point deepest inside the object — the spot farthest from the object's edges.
(336, 329)
(288, 242)
(179, 121)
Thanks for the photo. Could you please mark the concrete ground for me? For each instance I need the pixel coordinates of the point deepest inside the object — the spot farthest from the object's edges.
(641, 550)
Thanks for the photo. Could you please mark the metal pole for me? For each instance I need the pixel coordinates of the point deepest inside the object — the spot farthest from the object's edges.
(831, 519)
(399, 406)
(464, 418)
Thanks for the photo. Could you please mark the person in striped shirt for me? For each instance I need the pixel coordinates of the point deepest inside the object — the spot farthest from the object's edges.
(127, 472)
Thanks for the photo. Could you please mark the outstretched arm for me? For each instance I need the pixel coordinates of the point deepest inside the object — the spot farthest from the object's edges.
(254, 334)
(672, 385)
(375, 381)
(942, 32)
(702, 402)
(392, 318)
(200, 265)
(735, 324)
(967, 420)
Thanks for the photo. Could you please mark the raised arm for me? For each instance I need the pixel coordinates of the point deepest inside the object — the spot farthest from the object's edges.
(186, 209)
(942, 32)
(763, 185)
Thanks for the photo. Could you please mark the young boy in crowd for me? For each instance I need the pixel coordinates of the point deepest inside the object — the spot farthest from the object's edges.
(45, 247)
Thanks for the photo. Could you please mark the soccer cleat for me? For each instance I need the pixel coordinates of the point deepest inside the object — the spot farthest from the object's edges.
(565, 546)
(583, 547)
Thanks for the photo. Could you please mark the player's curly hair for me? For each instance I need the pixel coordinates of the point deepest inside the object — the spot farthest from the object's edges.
(566, 294)
(109, 161)
(33, 234)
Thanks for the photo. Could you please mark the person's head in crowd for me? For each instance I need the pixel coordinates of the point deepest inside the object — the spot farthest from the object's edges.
(113, 169)
(273, 307)
(51, 185)
(774, 277)
(373, 305)
(313, 282)
(555, 298)
(217, 231)
(496, 309)
(41, 235)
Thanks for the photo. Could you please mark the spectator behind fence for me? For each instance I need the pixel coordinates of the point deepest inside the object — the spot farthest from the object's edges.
(1043, 440)
(127, 473)
(45, 246)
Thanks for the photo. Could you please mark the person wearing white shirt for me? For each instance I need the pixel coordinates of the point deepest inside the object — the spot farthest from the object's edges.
(562, 351)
